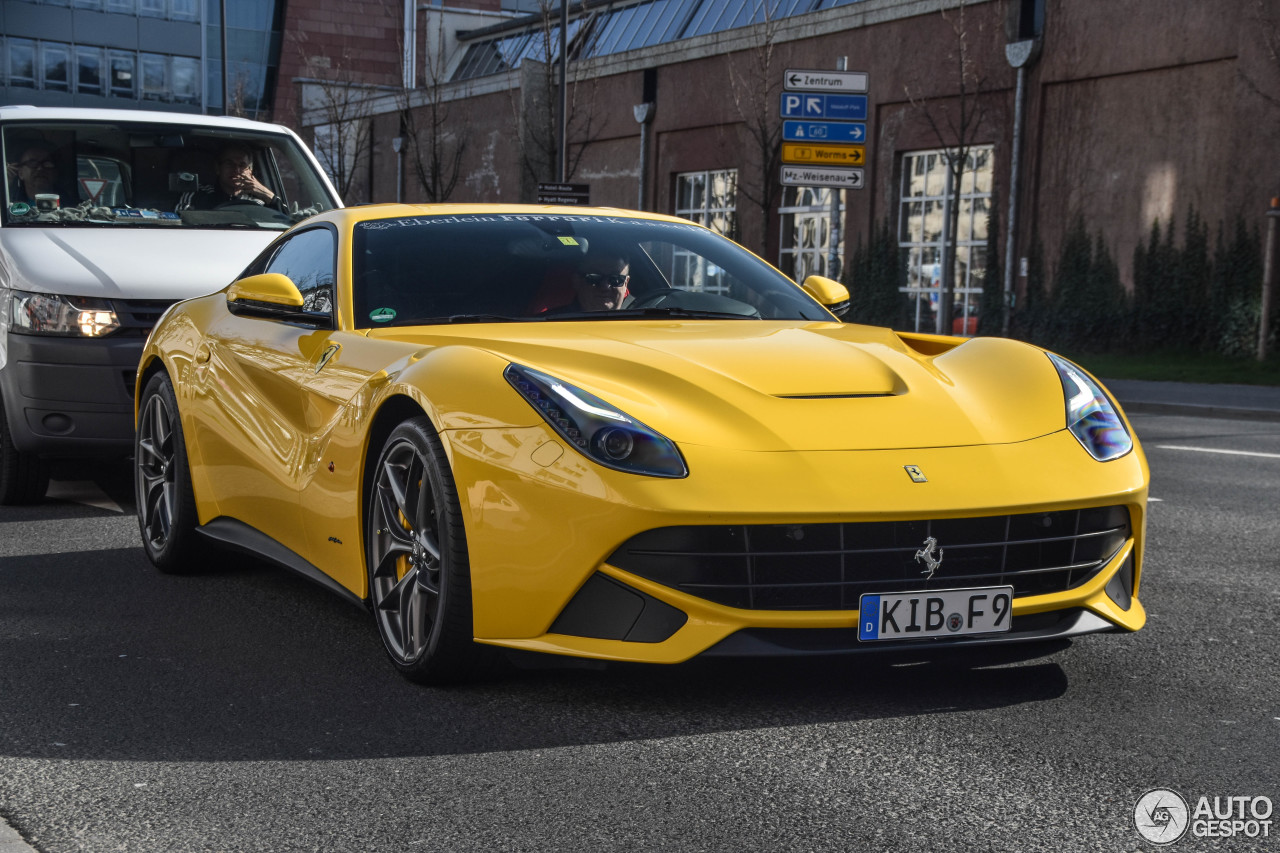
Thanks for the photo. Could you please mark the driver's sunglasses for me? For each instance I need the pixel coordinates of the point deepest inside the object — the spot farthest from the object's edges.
(38, 164)
(600, 279)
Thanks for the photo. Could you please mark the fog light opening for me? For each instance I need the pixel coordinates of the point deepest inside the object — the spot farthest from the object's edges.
(1120, 587)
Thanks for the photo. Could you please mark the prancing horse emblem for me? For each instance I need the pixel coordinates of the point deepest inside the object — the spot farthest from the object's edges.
(925, 555)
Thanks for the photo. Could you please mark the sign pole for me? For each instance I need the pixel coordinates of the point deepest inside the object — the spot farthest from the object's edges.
(1268, 279)
(562, 147)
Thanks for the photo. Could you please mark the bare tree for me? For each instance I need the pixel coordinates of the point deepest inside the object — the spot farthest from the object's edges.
(956, 121)
(436, 134)
(1263, 14)
(344, 136)
(755, 84)
(535, 110)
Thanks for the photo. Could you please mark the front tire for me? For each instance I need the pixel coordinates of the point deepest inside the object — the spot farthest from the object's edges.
(416, 555)
(166, 503)
(24, 477)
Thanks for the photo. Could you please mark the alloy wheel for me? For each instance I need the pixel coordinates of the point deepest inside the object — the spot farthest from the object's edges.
(156, 472)
(405, 553)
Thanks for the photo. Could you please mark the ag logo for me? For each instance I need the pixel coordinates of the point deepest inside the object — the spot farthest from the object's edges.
(1161, 816)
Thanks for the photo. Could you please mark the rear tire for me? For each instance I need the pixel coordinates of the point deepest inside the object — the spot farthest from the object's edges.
(167, 515)
(416, 558)
(24, 477)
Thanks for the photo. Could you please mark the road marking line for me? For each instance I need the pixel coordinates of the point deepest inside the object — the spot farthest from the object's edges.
(1218, 450)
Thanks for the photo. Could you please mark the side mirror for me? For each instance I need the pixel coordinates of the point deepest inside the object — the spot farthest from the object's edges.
(274, 297)
(270, 287)
(833, 295)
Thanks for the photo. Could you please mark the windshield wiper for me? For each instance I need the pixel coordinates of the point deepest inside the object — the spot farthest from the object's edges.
(676, 311)
(475, 318)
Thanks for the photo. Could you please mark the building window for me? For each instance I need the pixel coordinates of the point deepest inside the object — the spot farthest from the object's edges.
(186, 80)
(155, 85)
(54, 59)
(122, 74)
(1030, 19)
(22, 63)
(928, 197)
(184, 10)
(89, 70)
(151, 8)
(125, 7)
(811, 233)
(88, 4)
(710, 199)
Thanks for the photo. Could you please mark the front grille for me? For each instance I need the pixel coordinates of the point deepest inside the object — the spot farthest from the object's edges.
(828, 566)
(137, 316)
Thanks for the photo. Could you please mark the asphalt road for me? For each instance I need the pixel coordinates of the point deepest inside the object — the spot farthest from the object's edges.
(247, 710)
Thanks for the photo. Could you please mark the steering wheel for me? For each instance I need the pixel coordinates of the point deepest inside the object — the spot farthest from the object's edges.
(653, 300)
(236, 202)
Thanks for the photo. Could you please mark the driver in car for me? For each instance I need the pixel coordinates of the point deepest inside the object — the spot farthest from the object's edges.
(601, 282)
(236, 184)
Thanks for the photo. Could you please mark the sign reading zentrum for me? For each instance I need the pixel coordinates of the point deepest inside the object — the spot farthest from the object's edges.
(827, 112)
(825, 81)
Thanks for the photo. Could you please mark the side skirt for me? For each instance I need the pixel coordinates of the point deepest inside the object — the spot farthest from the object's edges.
(238, 536)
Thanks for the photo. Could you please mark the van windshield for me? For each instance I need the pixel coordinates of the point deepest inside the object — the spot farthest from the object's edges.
(138, 174)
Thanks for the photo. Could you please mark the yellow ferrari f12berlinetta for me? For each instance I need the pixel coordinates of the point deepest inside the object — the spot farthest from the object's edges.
(621, 436)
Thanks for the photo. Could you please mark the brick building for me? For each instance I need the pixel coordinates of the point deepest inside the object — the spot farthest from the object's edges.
(1134, 112)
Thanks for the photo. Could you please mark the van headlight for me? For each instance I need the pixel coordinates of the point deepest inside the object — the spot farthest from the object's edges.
(596, 429)
(1090, 416)
(68, 316)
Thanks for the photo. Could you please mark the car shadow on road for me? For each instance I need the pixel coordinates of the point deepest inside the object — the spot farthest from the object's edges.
(106, 659)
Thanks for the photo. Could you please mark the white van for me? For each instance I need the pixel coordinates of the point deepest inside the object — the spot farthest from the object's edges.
(109, 217)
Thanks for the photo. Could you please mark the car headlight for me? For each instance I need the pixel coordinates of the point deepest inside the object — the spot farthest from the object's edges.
(70, 316)
(596, 429)
(1090, 416)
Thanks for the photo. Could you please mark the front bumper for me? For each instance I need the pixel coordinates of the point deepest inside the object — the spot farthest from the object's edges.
(71, 396)
(540, 527)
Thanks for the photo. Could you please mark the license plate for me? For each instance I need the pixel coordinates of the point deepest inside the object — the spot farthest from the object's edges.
(936, 613)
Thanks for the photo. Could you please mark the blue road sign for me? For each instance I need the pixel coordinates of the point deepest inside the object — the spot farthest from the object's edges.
(811, 105)
(824, 131)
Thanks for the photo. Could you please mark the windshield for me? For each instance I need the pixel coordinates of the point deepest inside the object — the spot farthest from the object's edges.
(546, 267)
(139, 174)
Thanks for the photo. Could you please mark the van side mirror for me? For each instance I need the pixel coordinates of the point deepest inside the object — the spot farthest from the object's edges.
(833, 295)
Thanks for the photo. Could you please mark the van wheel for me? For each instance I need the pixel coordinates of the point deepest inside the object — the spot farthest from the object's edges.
(24, 477)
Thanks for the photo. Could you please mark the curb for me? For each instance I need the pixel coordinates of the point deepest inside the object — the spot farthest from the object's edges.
(11, 841)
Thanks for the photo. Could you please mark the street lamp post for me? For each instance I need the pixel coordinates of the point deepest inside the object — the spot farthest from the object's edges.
(1020, 55)
(1268, 279)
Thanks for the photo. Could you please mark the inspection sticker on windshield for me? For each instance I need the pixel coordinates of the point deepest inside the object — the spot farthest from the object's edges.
(382, 315)
(935, 613)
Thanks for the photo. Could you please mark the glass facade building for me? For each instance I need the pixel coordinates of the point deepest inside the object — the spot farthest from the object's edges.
(151, 54)
(622, 26)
